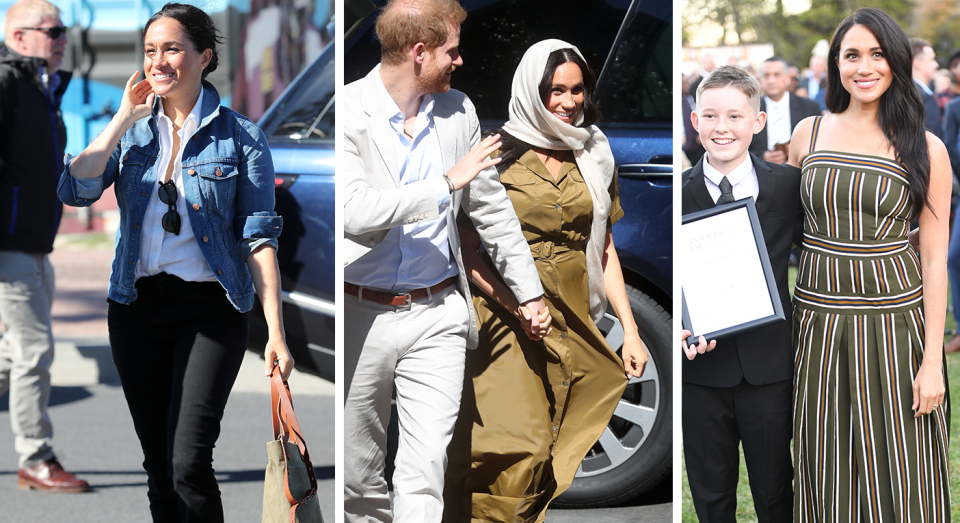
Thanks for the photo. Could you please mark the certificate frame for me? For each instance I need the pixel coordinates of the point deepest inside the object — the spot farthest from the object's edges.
(773, 294)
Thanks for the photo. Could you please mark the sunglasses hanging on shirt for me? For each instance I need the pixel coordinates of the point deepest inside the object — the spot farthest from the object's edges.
(168, 195)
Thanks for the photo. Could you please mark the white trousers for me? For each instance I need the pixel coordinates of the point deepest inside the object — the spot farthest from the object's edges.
(26, 351)
(418, 349)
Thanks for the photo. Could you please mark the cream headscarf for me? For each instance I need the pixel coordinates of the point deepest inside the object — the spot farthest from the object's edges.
(531, 122)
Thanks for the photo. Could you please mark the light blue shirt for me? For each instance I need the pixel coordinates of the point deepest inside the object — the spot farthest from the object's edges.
(417, 255)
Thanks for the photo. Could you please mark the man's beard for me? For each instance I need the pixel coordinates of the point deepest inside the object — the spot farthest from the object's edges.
(432, 80)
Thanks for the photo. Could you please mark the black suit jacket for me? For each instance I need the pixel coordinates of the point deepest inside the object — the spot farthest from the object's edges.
(800, 108)
(765, 354)
(931, 111)
(951, 129)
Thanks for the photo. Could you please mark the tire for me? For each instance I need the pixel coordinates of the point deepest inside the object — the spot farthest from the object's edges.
(632, 457)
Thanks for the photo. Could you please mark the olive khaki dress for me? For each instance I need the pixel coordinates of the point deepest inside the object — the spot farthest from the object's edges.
(531, 410)
(860, 454)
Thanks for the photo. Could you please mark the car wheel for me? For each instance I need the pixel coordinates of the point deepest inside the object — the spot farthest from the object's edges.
(634, 454)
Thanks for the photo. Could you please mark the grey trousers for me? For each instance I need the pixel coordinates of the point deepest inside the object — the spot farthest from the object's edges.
(419, 350)
(26, 350)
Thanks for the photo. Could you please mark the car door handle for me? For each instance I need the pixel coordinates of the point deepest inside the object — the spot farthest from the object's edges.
(644, 171)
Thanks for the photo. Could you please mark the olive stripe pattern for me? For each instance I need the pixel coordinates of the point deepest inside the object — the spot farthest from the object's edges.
(860, 454)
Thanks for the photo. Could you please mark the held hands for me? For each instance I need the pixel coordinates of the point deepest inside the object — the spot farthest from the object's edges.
(277, 353)
(928, 390)
(634, 356)
(137, 100)
(475, 161)
(535, 318)
(701, 347)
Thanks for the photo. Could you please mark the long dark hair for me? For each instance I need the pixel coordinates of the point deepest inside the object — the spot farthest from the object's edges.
(197, 25)
(513, 148)
(901, 110)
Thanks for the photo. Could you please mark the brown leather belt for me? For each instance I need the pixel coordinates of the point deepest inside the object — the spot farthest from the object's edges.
(397, 300)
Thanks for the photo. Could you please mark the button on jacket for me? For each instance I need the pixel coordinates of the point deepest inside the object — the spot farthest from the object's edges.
(229, 187)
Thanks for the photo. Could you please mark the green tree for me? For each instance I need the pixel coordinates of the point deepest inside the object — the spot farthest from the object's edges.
(793, 36)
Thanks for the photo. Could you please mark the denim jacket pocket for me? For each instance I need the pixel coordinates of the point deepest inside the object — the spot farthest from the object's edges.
(218, 184)
(132, 162)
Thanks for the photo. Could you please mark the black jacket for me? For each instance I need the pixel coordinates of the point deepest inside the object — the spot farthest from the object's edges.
(931, 111)
(800, 108)
(765, 354)
(33, 139)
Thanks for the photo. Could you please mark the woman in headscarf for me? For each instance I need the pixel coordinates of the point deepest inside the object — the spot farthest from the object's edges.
(535, 402)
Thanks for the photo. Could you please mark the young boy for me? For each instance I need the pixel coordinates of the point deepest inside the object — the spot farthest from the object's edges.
(741, 390)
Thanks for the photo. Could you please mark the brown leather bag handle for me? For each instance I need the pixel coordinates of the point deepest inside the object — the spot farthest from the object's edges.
(286, 428)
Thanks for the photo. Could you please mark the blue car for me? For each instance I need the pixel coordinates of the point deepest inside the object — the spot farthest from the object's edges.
(300, 130)
(629, 44)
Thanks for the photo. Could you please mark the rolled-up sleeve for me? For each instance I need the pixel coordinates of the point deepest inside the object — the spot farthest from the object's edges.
(83, 192)
(255, 222)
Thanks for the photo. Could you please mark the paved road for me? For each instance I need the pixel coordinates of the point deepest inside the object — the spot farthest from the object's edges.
(95, 439)
(94, 435)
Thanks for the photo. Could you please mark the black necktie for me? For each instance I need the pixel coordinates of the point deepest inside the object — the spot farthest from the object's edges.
(726, 192)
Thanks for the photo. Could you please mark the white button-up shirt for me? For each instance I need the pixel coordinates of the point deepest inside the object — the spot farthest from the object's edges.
(162, 251)
(417, 254)
(779, 129)
(743, 178)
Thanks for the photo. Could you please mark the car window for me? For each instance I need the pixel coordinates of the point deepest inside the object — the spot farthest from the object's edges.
(306, 112)
(637, 86)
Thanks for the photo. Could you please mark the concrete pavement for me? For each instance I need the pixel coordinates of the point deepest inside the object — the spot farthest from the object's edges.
(94, 436)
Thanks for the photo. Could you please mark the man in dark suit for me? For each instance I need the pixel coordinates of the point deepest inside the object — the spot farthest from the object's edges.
(924, 71)
(741, 391)
(784, 112)
(951, 135)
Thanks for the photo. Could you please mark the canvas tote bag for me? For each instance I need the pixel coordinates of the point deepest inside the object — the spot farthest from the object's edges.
(290, 485)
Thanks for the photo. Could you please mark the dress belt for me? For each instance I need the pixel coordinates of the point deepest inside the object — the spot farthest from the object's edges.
(396, 300)
(546, 249)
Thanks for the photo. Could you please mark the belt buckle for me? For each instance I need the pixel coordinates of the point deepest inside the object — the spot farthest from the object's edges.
(407, 301)
(546, 249)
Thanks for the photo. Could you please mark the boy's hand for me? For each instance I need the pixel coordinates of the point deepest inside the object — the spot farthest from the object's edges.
(701, 347)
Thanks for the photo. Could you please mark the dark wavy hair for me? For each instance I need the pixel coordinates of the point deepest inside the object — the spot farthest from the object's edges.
(901, 110)
(197, 25)
(513, 148)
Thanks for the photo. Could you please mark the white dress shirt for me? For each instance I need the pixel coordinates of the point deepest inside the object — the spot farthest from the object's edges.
(743, 178)
(162, 251)
(416, 255)
(779, 129)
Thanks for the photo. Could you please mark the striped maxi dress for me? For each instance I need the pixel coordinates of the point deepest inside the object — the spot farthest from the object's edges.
(860, 454)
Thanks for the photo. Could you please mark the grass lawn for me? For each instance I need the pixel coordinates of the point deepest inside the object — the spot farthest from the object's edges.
(745, 512)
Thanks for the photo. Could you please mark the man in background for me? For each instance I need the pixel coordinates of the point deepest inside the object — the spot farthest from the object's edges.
(784, 112)
(32, 142)
(924, 71)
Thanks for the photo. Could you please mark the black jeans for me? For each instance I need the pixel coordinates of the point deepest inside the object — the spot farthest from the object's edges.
(178, 349)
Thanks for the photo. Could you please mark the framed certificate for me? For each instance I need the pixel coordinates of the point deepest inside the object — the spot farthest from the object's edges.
(727, 284)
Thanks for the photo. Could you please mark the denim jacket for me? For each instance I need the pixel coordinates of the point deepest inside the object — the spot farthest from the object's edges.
(229, 185)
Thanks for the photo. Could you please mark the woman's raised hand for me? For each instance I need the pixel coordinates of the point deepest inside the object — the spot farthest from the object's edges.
(137, 99)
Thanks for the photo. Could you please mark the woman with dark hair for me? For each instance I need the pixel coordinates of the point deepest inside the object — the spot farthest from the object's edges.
(870, 422)
(197, 236)
(535, 402)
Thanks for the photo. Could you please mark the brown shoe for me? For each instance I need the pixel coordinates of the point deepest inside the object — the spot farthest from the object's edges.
(49, 476)
(953, 345)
